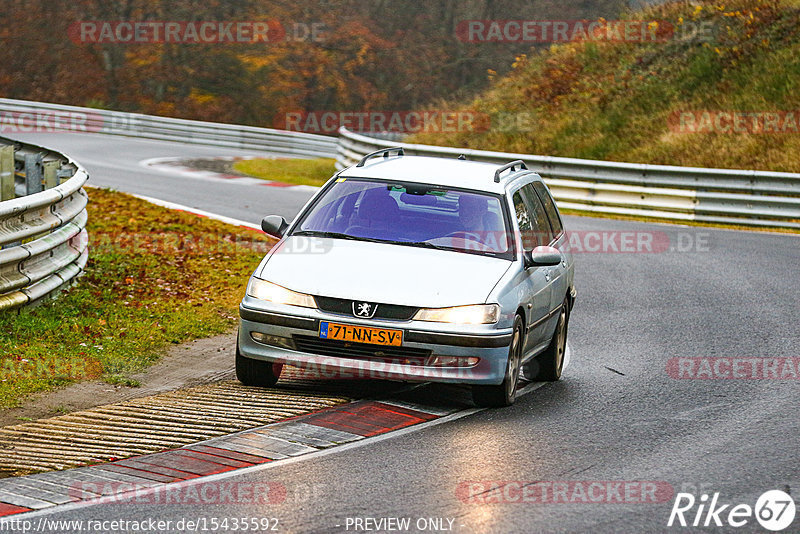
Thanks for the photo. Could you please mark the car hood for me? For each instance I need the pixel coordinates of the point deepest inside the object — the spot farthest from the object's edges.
(378, 272)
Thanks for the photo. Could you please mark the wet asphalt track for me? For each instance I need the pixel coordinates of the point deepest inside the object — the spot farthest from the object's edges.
(616, 416)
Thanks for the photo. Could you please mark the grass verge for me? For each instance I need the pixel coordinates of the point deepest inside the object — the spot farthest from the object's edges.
(291, 171)
(155, 277)
(660, 101)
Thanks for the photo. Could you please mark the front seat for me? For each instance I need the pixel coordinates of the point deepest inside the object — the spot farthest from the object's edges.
(377, 212)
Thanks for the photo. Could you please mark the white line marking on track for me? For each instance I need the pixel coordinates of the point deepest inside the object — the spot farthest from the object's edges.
(122, 497)
(202, 213)
(195, 211)
(141, 493)
(170, 166)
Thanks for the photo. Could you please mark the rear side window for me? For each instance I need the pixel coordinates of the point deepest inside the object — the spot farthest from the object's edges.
(540, 224)
(524, 222)
(549, 207)
(532, 220)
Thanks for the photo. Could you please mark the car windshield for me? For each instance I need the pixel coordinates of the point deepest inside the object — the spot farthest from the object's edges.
(411, 215)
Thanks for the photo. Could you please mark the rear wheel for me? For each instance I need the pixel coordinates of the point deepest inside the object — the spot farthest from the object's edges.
(547, 366)
(256, 372)
(503, 394)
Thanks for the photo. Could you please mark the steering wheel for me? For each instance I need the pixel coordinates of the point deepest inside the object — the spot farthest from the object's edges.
(466, 235)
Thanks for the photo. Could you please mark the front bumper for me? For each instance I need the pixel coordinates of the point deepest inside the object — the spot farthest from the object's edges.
(485, 342)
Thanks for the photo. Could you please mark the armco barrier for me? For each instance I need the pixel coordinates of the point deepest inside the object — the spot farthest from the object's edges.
(751, 198)
(21, 116)
(43, 239)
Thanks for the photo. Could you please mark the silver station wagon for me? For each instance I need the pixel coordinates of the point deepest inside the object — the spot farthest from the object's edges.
(415, 269)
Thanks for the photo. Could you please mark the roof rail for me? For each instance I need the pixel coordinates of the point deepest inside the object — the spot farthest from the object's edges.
(509, 166)
(385, 152)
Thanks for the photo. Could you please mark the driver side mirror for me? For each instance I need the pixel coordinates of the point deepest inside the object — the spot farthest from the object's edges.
(274, 225)
(542, 257)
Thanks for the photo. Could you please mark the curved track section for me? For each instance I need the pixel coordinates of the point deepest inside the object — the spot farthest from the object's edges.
(115, 162)
(660, 389)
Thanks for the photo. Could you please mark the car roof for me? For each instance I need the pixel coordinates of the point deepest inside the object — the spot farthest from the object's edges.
(435, 171)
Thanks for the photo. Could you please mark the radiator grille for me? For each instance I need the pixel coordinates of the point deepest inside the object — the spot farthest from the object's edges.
(385, 311)
(361, 351)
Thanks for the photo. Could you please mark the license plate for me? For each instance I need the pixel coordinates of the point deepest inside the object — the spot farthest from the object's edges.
(360, 334)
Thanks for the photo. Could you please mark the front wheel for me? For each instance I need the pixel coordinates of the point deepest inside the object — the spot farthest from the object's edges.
(256, 372)
(505, 393)
(547, 366)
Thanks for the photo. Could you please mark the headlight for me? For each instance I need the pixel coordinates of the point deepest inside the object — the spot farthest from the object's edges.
(263, 290)
(477, 314)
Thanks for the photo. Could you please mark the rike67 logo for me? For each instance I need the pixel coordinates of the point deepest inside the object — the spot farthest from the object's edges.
(774, 510)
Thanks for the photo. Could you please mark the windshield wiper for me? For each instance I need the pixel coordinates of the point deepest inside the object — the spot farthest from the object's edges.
(421, 244)
(333, 235)
(339, 235)
(426, 244)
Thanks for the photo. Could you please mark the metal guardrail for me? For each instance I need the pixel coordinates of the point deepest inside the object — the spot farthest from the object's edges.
(751, 198)
(754, 198)
(43, 238)
(26, 116)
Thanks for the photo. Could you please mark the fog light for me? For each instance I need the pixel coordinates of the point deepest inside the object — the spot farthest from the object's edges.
(275, 341)
(453, 361)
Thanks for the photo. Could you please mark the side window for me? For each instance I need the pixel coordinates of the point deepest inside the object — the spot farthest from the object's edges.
(525, 222)
(549, 207)
(541, 226)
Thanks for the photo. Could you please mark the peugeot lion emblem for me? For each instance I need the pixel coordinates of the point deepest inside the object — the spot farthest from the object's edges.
(364, 309)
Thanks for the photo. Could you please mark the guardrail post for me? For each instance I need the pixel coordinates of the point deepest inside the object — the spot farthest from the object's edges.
(64, 174)
(51, 174)
(33, 174)
(7, 173)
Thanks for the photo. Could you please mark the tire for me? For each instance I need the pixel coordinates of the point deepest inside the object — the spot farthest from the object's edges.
(547, 366)
(505, 393)
(256, 372)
